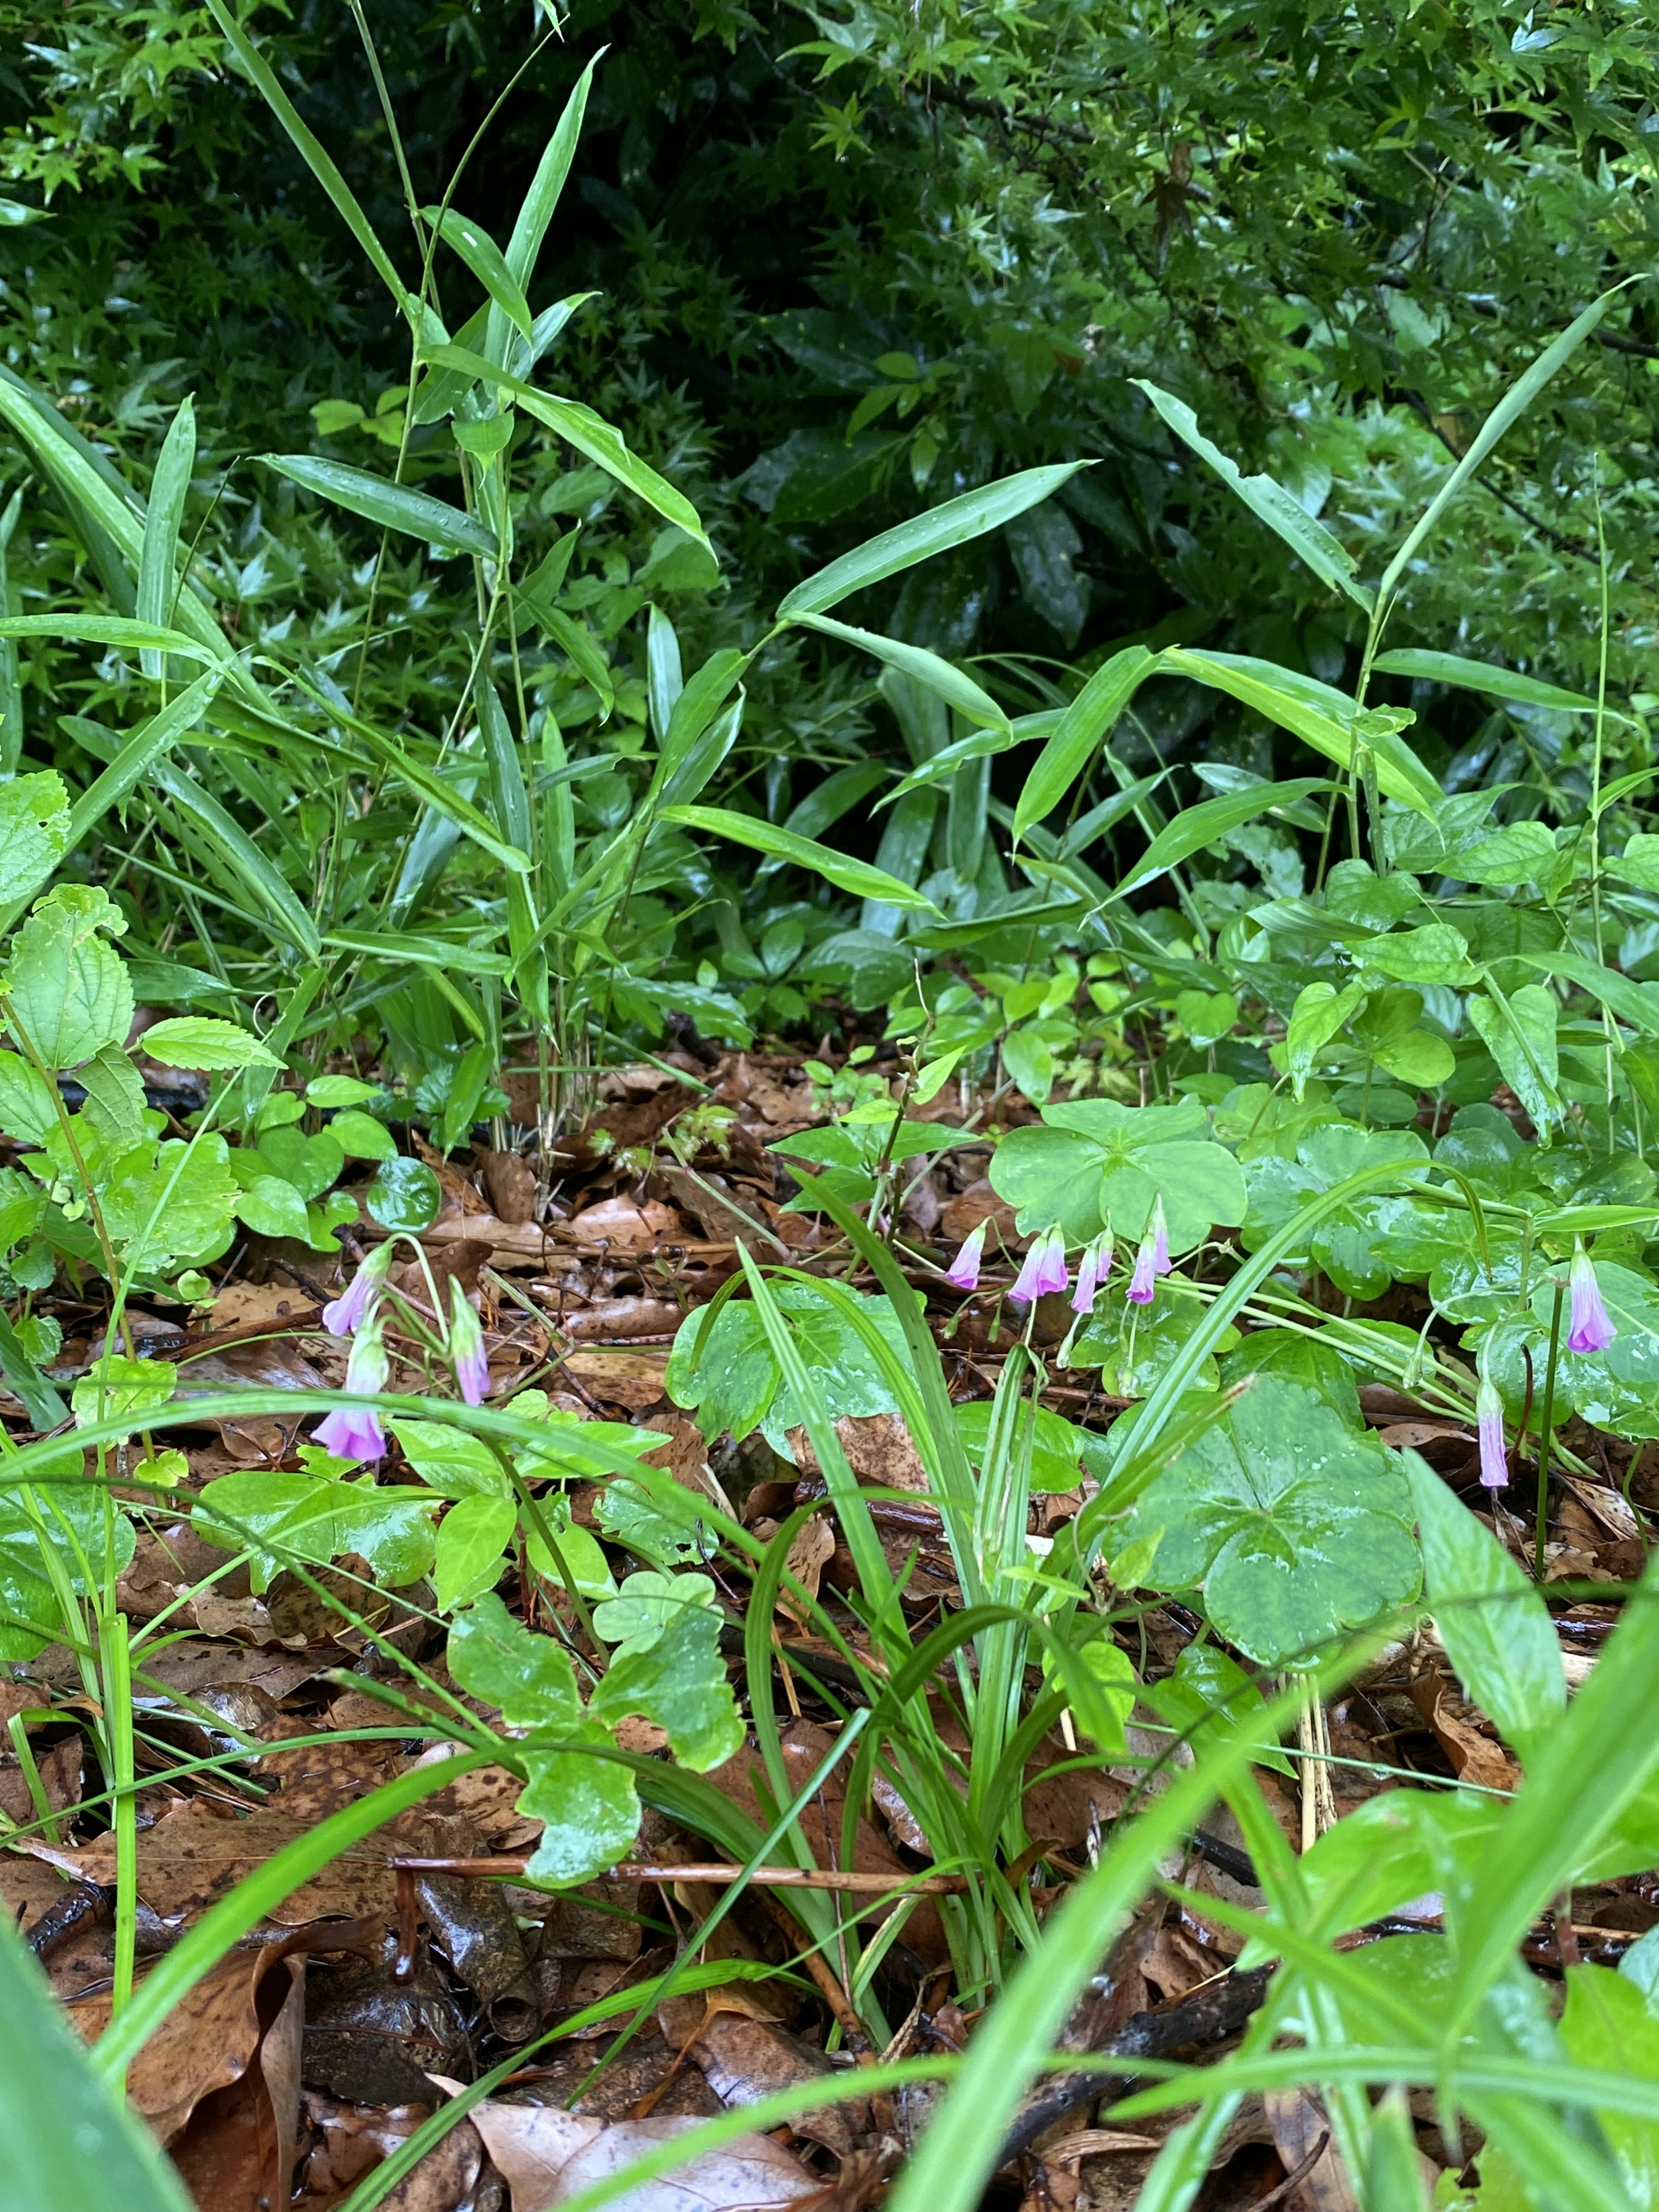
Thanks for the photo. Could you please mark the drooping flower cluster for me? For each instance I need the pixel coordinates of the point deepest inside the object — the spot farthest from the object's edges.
(353, 1432)
(1044, 1270)
(1152, 1260)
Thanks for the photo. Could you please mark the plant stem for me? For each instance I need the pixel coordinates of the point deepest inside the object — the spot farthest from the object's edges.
(1545, 1419)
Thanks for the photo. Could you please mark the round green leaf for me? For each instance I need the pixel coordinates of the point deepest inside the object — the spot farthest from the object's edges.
(405, 1195)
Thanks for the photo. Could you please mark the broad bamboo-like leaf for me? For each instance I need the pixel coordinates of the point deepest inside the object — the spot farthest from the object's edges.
(147, 744)
(473, 243)
(1508, 410)
(857, 877)
(140, 637)
(1085, 724)
(241, 855)
(954, 523)
(159, 555)
(70, 2143)
(394, 507)
(1481, 676)
(1314, 713)
(1282, 512)
(1196, 828)
(255, 67)
(942, 678)
(536, 214)
(589, 432)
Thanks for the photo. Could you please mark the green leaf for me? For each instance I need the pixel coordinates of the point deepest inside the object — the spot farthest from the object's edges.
(1209, 1690)
(199, 1040)
(1294, 1527)
(319, 1518)
(954, 523)
(115, 1385)
(361, 1137)
(1086, 723)
(137, 756)
(541, 202)
(232, 845)
(66, 989)
(1097, 1158)
(1514, 403)
(1492, 1621)
(1307, 537)
(485, 260)
(646, 1604)
(677, 1679)
(158, 562)
(394, 507)
(69, 1517)
(405, 1195)
(36, 828)
(1519, 1032)
(115, 1096)
(1319, 1012)
(1321, 717)
(1197, 827)
(270, 1207)
(1435, 953)
(583, 649)
(1058, 1450)
(588, 433)
(451, 1459)
(28, 1103)
(109, 629)
(529, 1678)
(472, 1540)
(93, 2151)
(170, 1205)
(942, 678)
(856, 876)
(1480, 676)
(724, 1365)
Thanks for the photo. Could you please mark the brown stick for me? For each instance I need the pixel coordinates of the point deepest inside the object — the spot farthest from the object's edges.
(871, 1885)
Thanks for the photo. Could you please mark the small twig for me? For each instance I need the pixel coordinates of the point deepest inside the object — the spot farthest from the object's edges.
(862, 1885)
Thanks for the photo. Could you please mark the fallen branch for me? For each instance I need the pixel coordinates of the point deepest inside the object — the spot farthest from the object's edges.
(862, 1885)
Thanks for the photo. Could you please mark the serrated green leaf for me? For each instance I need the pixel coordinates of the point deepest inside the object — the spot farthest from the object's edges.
(199, 1041)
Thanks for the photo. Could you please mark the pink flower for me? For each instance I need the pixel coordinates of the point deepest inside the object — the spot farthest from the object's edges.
(354, 1432)
(1591, 1329)
(1489, 1420)
(1044, 1269)
(344, 1315)
(1092, 1270)
(1160, 1236)
(1143, 1280)
(466, 1347)
(963, 1271)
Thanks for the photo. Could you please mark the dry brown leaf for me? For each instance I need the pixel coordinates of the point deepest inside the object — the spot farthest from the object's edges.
(510, 1182)
(624, 1224)
(238, 2153)
(622, 1318)
(1298, 2123)
(1474, 1756)
(979, 1202)
(192, 1857)
(630, 1379)
(746, 2056)
(60, 1778)
(547, 2156)
(277, 1305)
(320, 1777)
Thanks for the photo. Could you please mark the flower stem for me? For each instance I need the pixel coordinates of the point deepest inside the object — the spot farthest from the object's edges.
(1545, 1419)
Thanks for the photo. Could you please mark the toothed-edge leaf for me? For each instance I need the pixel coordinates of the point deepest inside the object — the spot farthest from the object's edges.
(1293, 1527)
(117, 1386)
(34, 833)
(319, 1519)
(66, 989)
(28, 1103)
(198, 1041)
(678, 1681)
